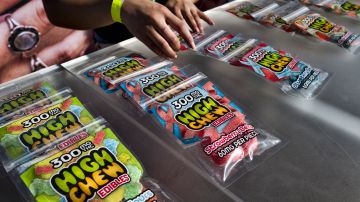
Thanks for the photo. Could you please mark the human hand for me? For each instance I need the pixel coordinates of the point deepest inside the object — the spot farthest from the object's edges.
(185, 9)
(56, 44)
(152, 24)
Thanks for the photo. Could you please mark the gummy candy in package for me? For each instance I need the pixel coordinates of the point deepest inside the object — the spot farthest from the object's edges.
(341, 7)
(247, 9)
(197, 37)
(197, 112)
(90, 165)
(220, 44)
(28, 134)
(109, 75)
(280, 17)
(320, 27)
(144, 86)
(20, 102)
(292, 74)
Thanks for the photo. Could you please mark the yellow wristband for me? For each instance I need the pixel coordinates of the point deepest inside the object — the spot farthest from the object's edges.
(116, 10)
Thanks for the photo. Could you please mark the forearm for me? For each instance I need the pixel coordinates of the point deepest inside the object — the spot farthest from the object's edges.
(79, 14)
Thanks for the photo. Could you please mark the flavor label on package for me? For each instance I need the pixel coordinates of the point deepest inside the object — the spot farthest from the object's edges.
(222, 45)
(105, 75)
(277, 66)
(318, 26)
(195, 112)
(30, 133)
(149, 86)
(98, 167)
(16, 101)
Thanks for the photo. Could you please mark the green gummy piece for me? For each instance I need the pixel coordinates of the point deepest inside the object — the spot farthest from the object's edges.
(132, 190)
(40, 186)
(134, 172)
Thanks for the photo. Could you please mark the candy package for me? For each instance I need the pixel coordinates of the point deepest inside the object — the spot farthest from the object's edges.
(104, 75)
(28, 134)
(198, 38)
(281, 16)
(341, 7)
(292, 74)
(247, 9)
(90, 165)
(144, 86)
(19, 102)
(220, 44)
(198, 112)
(320, 27)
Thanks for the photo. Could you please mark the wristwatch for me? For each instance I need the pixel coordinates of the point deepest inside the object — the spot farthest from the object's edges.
(22, 38)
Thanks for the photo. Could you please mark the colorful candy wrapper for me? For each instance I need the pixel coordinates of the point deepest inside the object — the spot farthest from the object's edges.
(220, 44)
(92, 165)
(144, 86)
(198, 111)
(321, 28)
(198, 38)
(341, 7)
(26, 100)
(107, 74)
(245, 8)
(280, 16)
(292, 74)
(30, 133)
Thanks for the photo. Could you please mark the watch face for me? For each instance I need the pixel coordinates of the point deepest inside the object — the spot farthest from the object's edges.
(23, 38)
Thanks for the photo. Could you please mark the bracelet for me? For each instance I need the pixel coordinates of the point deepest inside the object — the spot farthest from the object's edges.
(116, 10)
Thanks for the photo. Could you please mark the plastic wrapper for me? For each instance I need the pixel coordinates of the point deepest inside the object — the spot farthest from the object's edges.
(247, 9)
(198, 112)
(220, 44)
(104, 75)
(320, 27)
(20, 102)
(292, 74)
(198, 38)
(90, 165)
(281, 16)
(341, 7)
(30, 133)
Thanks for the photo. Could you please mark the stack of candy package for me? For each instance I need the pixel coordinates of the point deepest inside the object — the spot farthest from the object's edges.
(291, 74)
(201, 118)
(57, 151)
(294, 17)
(341, 7)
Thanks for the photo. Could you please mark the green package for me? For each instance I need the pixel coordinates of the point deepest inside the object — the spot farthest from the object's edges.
(20, 99)
(30, 133)
(92, 165)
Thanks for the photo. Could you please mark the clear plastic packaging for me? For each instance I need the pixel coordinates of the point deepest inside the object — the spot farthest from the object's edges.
(23, 136)
(91, 164)
(219, 44)
(144, 86)
(292, 74)
(199, 112)
(251, 9)
(280, 16)
(320, 27)
(341, 7)
(198, 38)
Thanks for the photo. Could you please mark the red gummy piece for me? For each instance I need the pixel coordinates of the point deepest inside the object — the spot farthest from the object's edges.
(66, 104)
(14, 128)
(43, 169)
(99, 137)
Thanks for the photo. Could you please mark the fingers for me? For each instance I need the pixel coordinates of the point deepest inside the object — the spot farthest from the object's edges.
(152, 46)
(31, 14)
(161, 43)
(180, 27)
(190, 19)
(165, 31)
(6, 4)
(205, 18)
(198, 20)
(71, 47)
